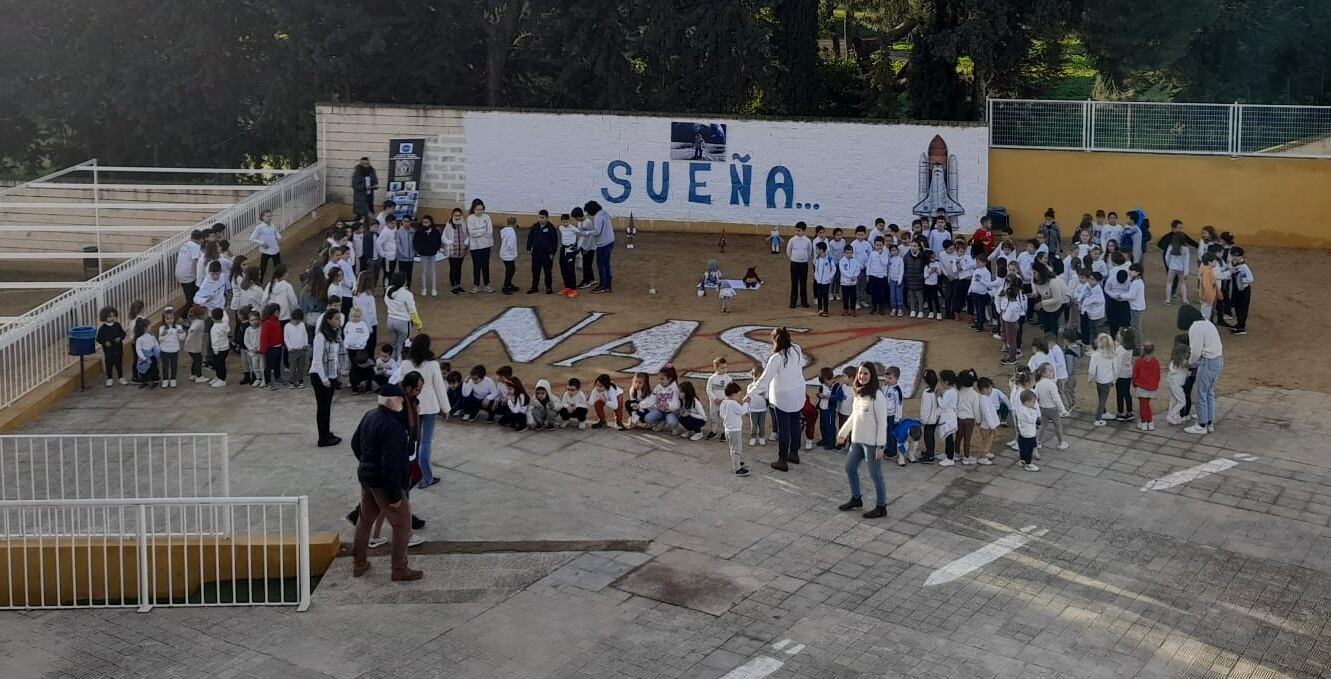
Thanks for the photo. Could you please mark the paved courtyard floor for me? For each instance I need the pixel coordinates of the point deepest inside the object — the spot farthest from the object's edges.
(1075, 571)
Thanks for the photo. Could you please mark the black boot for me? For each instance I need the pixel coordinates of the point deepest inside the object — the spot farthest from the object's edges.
(854, 503)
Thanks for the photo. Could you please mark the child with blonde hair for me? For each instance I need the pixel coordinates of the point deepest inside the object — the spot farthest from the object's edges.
(1052, 409)
(1102, 374)
(1177, 381)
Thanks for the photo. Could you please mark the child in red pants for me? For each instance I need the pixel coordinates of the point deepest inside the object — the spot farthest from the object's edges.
(808, 420)
(1145, 381)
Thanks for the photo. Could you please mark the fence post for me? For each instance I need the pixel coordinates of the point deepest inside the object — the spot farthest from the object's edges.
(145, 593)
(303, 551)
(1236, 130)
(1088, 125)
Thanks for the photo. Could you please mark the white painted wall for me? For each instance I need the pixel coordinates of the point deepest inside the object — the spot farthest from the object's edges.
(520, 162)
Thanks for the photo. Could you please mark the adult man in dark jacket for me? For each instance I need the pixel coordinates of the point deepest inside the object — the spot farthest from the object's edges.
(542, 243)
(381, 447)
(364, 181)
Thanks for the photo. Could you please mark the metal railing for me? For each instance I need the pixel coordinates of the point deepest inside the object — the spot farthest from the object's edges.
(1150, 127)
(113, 466)
(145, 553)
(33, 346)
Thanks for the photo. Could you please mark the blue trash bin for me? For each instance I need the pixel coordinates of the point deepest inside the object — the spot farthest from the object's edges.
(82, 340)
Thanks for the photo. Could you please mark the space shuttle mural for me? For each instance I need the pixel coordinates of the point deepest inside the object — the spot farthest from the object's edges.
(938, 182)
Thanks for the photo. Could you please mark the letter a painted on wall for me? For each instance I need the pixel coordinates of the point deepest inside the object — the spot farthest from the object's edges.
(653, 347)
(519, 328)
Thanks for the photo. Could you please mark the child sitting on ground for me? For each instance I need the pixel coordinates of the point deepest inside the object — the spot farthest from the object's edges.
(606, 397)
(544, 407)
(385, 366)
(574, 404)
(711, 278)
(692, 412)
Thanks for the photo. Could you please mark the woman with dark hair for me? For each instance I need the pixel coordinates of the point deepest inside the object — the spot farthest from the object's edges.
(605, 245)
(866, 432)
(1053, 298)
(313, 297)
(400, 309)
(1206, 353)
(324, 371)
(480, 238)
(433, 400)
(782, 381)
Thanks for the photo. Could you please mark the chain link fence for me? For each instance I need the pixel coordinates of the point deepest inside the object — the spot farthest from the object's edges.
(1145, 127)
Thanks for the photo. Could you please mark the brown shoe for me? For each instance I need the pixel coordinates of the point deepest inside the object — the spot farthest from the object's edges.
(780, 466)
(407, 575)
(359, 569)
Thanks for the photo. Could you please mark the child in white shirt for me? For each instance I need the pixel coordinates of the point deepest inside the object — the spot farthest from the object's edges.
(757, 412)
(1028, 419)
(692, 412)
(731, 413)
(607, 398)
(479, 395)
(575, 406)
(508, 254)
(1102, 374)
(296, 339)
(253, 358)
(987, 421)
(716, 393)
(170, 334)
(219, 339)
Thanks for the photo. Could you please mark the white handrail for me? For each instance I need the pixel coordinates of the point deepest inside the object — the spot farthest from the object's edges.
(188, 170)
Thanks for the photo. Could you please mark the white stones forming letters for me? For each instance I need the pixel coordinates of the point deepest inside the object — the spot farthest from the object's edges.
(653, 347)
(519, 328)
(908, 355)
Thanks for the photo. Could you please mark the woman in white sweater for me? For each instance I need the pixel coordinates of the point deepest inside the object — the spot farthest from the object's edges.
(281, 293)
(480, 238)
(400, 307)
(783, 383)
(325, 367)
(434, 404)
(866, 431)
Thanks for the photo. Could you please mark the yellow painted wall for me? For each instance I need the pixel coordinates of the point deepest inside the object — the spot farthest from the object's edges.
(1263, 201)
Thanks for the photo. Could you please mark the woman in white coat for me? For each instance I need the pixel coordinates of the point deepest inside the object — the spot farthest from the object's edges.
(433, 399)
(480, 238)
(866, 432)
(783, 382)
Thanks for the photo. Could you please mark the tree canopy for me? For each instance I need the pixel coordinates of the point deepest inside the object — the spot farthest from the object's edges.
(224, 82)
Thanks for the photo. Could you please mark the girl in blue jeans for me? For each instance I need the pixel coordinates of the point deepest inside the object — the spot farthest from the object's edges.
(866, 431)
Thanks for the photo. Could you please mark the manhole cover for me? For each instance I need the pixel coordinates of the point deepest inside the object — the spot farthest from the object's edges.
(692, 580)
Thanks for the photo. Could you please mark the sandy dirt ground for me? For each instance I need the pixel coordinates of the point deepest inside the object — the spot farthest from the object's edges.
(1280, 350)
(1273, 353)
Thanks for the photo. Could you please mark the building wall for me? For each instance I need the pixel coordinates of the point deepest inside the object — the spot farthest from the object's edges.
(1263, 201)
(834, 173)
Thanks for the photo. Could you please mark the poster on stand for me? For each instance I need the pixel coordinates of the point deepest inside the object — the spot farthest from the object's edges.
(405, 158)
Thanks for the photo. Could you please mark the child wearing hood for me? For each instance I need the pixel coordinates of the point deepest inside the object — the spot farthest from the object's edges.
(544, 406)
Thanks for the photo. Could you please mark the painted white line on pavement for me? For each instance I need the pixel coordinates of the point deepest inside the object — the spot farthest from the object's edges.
(781, 644)
(983, 556)
(1191, 474)
(794, 649)
(757, 668)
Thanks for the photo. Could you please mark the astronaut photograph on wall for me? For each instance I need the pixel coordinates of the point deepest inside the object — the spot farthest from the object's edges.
(698, 141)
(939, 184)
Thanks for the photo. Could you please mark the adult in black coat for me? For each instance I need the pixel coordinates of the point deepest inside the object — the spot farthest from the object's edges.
(363, 183)
(382, 449)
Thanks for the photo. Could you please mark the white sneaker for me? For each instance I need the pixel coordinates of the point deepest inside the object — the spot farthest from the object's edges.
(110, 381)
(762, 441)
(967, 461)
(946, 462)
(697, 436)
(123, 381)
(217, 383)
(1099, 422)
(1150, 426)
(808, 445)
(1030, 467)
(1012, 444)
(475, 290)
(901, 459)
(434, 293)
(771, 436)
(582, 425)
(415, 540)
(753, 441)
(1063, 445)
(1196, 429)
(1210, 428)
(984, 461)
(377, 542)
(488, 289)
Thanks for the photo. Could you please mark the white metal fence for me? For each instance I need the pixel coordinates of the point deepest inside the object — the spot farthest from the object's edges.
(1148, 127)
(113, 466)
(33, 347)
(144, 553)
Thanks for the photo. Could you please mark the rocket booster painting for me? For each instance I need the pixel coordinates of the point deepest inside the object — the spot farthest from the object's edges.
(938, 182)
